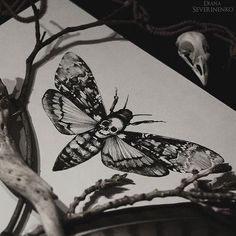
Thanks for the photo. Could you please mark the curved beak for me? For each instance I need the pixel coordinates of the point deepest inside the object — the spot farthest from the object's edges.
(200, 68)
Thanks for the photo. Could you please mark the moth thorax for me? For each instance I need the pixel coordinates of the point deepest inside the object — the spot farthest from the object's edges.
(124, 115)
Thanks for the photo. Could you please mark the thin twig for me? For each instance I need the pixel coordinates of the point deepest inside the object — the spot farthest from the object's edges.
(187, 181)
(27, 85)
(37, 25)
(99, 185)
(13, 13)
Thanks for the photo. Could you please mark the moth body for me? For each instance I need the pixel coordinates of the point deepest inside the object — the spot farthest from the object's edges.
(114, 123)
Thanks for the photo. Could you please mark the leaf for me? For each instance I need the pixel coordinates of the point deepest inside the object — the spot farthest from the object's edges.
(220, 168)
(226, 181)
(203, 185)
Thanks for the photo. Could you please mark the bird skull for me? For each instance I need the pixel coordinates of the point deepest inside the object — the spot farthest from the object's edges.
(192, 47)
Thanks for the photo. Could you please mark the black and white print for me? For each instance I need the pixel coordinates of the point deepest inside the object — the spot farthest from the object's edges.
(76, 108)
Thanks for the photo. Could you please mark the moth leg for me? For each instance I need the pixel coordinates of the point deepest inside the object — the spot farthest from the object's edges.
(145, 122)
(116, 98)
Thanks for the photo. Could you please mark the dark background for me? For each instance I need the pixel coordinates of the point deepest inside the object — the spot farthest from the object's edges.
(222, 70)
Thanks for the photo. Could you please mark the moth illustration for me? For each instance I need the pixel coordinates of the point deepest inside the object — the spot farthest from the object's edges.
(76, 108)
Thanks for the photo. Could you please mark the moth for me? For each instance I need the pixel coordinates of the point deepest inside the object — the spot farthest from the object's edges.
(76, 108)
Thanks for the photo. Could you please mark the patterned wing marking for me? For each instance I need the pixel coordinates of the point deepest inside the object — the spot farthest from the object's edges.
(75, 80)
(78, 150)
(66, 117)
(119, 155)
(178, 155)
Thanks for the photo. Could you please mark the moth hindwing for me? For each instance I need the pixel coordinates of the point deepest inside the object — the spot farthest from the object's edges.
(76, 108)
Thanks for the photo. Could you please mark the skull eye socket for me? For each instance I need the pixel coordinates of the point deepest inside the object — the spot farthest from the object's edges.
(105, 123)
(113, 129)
(187, 47)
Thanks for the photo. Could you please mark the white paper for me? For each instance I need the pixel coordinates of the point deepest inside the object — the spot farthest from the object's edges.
(190, 112)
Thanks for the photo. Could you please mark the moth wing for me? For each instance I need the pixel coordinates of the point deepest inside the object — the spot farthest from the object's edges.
(174, 154)
(75, 80)
(66, 117)
(78, 150)
(119, 155)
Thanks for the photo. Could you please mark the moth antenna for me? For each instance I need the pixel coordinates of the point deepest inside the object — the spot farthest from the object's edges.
(142, 115)
(126, 102)
(146, 122)
(116, 98)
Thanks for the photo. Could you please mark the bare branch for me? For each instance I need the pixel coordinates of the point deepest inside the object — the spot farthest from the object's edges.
(37, 26)
(208, 200)
(99, 185)
(27, 85)
(14, 12)
(179, 191)
(15, 174)
(186, 182)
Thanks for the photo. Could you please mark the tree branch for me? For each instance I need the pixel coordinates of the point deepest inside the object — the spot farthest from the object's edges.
(14, 12)
(99, 185)
(18, 176)
(28, 81)
(37, 25)
(179, 191)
